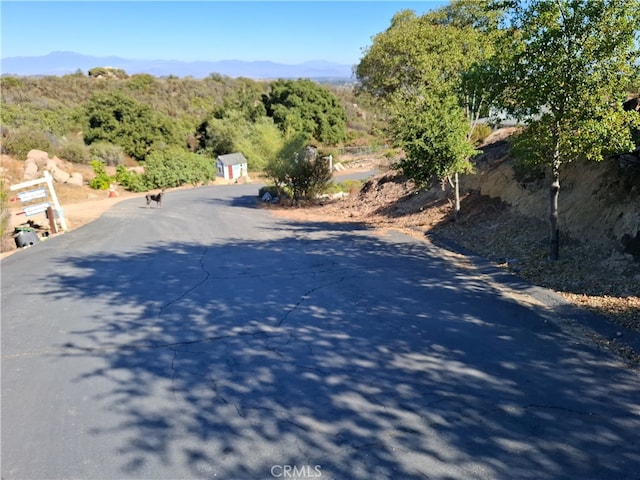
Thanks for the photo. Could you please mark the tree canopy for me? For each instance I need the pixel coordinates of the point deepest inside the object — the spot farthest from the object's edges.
(306, 107)
(418, 67)
(121, 120)
(565, 67)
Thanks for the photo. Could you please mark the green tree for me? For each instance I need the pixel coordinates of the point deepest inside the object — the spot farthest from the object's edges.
(565, 66)
(261, 142)
(246, 97)
(218, 136)
(433, 132)
(302, 106)
(121, 120)
(419, 67)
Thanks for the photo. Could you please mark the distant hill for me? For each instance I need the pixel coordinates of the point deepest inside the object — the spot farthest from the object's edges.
(63, 63)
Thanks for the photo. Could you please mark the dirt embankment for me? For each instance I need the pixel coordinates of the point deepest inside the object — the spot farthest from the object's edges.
(504, 219)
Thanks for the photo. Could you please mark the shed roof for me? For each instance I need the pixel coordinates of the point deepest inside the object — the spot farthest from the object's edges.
(232, 159)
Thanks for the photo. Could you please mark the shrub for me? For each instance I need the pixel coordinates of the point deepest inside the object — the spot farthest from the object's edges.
(108, 153)
(24, 139)
(480, 132)
(174, 167)
(101, 181)
(74, 151)
(129, 180)
(300, 169)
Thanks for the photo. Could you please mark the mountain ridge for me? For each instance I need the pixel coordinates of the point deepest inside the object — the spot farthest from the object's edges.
(64, 63)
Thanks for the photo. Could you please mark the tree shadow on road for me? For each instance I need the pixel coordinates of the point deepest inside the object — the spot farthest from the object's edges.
(329, 347)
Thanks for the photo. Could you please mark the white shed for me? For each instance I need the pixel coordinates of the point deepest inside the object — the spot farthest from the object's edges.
(231, 166)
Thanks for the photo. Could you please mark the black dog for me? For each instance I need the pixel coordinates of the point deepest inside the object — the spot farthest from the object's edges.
(156, 198)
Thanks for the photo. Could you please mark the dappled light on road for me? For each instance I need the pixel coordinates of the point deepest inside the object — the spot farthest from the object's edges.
(327, 346)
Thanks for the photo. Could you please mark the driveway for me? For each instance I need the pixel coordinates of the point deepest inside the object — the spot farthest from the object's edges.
(208, 339)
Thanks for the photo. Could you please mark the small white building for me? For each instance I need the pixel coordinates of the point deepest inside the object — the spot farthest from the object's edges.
(231, 166)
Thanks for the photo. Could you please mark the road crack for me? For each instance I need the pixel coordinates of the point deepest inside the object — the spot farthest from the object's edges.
(207, 275)
(305, 296)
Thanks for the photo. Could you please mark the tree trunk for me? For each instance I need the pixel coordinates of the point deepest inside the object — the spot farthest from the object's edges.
(456, 187)
(554, 193)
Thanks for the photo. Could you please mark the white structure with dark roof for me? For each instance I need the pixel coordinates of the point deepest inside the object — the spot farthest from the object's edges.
(231, 166)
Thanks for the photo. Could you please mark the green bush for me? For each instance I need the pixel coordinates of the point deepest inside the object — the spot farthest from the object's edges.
(108, 153)
(174, 167)
(74, 151)
(101, 181)
(300, 169)
(21, 141)
(132, 181)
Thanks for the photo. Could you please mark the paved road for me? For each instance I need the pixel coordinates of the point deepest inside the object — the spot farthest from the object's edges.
(208, 339)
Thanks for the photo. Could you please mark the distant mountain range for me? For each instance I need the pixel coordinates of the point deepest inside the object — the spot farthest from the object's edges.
(63, 63)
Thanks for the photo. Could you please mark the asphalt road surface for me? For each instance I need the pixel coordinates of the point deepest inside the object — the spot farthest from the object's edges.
(209, 339)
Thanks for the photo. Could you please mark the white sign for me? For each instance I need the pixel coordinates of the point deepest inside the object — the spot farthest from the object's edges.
(48, 179)
(34, 209)
(32, 195)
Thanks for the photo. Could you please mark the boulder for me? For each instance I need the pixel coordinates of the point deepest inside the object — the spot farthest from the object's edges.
(60, 176)
(30, 169)
(38, 156)
(76, 179)
(54, 163)
(51, 165)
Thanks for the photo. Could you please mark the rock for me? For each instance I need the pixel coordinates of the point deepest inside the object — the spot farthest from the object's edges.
(53, 164)
(38, 156)
(30, 169)
(60, 176)
(76, 179)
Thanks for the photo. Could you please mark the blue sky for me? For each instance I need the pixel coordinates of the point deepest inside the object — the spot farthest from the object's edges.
(284, 31)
